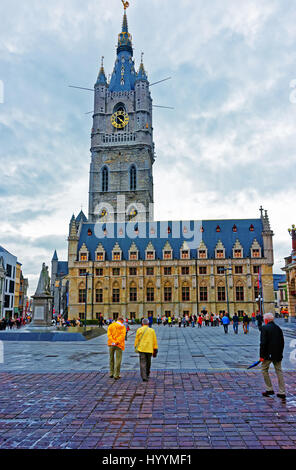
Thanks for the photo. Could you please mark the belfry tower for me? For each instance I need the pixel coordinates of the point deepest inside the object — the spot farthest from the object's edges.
(122, 148)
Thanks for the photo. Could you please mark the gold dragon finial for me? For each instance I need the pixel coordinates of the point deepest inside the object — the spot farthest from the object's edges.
(125, 4)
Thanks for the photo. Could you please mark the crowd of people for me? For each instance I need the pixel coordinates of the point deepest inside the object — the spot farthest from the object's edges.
(13, 323)
(212, 319)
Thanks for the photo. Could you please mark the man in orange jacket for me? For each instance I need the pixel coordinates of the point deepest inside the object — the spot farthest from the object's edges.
(116, 342)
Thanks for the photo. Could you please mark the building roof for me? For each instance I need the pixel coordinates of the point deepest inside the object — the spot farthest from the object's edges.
(81, 216)
(277, 278)
(4, 251)
(62, 268)
(190, 232)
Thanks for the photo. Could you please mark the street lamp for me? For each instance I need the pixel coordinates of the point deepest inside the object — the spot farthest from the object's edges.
(87, 275)
(225, 269)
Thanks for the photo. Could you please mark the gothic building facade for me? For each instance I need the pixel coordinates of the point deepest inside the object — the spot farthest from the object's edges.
(121, 261)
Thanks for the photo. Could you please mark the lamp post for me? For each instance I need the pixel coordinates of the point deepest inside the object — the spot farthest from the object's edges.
(225, 269)
(87, 275)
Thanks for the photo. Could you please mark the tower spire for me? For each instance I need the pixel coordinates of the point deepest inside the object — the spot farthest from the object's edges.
(102, 76)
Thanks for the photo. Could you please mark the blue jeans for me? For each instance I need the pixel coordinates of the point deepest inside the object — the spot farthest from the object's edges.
(235, 328)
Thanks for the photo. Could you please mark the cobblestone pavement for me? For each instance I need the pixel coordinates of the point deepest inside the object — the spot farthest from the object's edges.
(199, 395)
(172, 410)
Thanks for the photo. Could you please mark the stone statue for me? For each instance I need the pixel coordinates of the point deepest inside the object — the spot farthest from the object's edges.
(43, 287)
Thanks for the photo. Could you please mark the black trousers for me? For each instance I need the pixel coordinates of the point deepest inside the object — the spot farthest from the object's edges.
(145, 364)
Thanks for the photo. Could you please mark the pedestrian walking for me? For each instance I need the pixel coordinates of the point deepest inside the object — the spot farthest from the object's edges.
(207, 319)
(170, 323)
(126, 328)
(259, 319)
(246, 321)
(235, 322)
(116, 341)
(253, 317)
(199, 321)
(271, 351)
(150, 319)
(180, 322)
(212, 319)
(146, 345)
(225, 323)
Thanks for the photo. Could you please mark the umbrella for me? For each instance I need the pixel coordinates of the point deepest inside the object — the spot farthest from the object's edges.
(254, 365)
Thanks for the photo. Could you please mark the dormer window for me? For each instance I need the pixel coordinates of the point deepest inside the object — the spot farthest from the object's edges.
(220, 250)
(184, 254)
(89, 232)
(251, 228)
(116, 256)
(150, 255)
(256, 249)
(100, 256)
(133, 255)
(237, 253)
(167, 252)
(202, 254)
(218, 228)
(83, 253)
(234, 228)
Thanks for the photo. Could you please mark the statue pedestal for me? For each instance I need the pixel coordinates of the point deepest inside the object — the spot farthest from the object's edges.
(42, 311)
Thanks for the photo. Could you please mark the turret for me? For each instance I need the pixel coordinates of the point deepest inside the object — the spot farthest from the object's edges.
(72, 241)
(267, 235)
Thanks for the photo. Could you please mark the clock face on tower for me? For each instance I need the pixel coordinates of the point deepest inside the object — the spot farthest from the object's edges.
(119, 119)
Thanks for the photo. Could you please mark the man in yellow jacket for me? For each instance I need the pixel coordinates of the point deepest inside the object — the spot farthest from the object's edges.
(116, 342)
(146, 345)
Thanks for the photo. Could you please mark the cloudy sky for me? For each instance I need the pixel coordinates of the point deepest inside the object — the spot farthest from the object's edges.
(227, 147)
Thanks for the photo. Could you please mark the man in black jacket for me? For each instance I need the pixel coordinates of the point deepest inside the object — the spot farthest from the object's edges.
(271, 351)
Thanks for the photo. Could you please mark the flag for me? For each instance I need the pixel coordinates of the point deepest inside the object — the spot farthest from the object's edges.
(259, 279)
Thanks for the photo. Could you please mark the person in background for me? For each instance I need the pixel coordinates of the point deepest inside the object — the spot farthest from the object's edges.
(212, 319)
(246, 321)
(170, 323)
(146, 345)
(116, 341)
(199, 321)
(253, 317)
(235, 322)
(225, 323)
(259, 319)
(150, 321)
(271, 351)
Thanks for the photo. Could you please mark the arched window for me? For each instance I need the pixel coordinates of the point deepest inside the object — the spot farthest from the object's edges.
(105, 179)
(133, 178)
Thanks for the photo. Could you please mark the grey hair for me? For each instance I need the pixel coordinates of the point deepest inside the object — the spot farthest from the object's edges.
(145, 321)
(268, 316)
